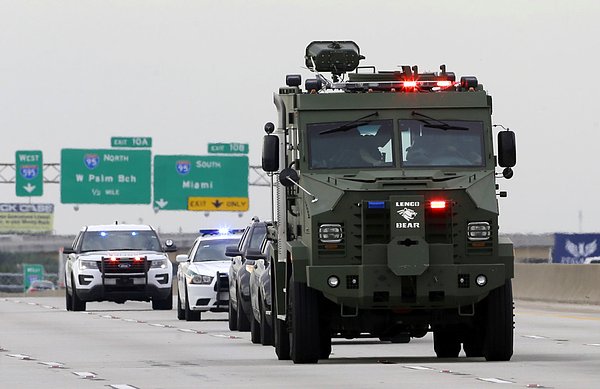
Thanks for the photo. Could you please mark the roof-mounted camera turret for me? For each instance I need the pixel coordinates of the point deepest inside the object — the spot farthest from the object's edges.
(336, 57)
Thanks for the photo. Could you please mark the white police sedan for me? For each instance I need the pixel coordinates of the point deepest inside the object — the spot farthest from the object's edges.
(202, 274)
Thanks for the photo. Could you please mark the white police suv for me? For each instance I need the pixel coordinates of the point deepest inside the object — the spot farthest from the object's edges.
(118, 262)
(202, 274)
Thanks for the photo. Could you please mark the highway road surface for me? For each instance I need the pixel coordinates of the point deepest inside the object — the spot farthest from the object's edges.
(130, 346)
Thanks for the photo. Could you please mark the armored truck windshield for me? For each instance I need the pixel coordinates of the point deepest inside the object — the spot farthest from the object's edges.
(423, 143)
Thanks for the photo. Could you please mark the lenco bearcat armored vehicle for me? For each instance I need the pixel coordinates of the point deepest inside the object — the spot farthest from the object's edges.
(385, 198)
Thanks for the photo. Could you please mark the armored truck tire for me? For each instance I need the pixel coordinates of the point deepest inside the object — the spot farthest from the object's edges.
(243, 324)
(304, 318)
(446, 343)
(266, 330)
(254, 330)
(233, 326)
(499, 328)
(324, 341)
(180, 310)
(189, 314)
(281, 340)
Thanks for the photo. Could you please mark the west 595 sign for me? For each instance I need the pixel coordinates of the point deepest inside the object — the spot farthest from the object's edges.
(201, 183)
(105, 176)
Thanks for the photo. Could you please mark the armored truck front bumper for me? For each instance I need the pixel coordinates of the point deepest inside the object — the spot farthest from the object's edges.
(376, 286)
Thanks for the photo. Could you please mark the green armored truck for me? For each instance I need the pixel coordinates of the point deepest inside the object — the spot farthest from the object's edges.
(385, 201)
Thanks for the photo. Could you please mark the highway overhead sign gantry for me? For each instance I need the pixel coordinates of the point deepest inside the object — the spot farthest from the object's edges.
(29, 173)
(105, 176)
(201, 183)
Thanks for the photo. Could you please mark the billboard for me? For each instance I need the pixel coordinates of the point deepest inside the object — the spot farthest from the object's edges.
(26, 218)
(575, 248)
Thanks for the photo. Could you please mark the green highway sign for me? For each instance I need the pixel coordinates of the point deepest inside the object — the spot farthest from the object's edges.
(228, 148)
(29, 173)
(219, 181)
(135, 141)
(105, 176)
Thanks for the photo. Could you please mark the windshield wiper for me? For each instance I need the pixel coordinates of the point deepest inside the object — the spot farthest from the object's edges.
(353, 124)
(440, 124)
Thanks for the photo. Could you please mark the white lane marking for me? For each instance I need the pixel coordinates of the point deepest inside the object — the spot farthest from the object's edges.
(32, 304)
(415, 367)
(48, 307)
(226, 336)
(592, 344)
(3, 349)
(54, 365)
(190, 331)
(109, 317)
(122, 386)
(495, 380)
(534, 337)
(85, 374)
(130, 320)
(157, 325)
(22, 357)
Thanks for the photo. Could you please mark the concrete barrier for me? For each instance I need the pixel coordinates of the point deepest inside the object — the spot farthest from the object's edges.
(576, 284)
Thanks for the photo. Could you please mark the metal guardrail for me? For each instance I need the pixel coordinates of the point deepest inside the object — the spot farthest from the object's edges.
(13, 282)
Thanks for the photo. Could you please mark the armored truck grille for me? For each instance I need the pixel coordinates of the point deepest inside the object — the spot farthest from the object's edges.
(376, 225)
(123, 265)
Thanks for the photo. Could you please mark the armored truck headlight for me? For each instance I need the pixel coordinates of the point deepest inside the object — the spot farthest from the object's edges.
(479, 231)
(202, 279)
(333, 281)
(87, 264)
(330, 233)
(481, 280)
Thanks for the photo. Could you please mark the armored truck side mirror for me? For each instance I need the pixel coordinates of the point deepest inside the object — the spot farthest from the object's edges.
(254, 254)
(270, 153)
(507, 149)
(288, 177)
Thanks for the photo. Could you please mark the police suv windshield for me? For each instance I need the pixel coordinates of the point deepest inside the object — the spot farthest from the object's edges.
(456, 143)
(120, 240)
(214, 250)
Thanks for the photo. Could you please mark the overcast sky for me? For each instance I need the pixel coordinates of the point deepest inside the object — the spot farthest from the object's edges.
(75, 73)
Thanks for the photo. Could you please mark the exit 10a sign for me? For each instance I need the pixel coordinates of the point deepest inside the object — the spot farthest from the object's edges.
(133, 141)
(30, 173)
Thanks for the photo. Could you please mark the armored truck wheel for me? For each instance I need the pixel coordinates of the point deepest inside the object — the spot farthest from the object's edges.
(189, 314)
(304, 311)
(498, 342)
(180, 311)
(266, 331)
(446, 343)
(243, 324)
(324, 341)
(281, 339)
